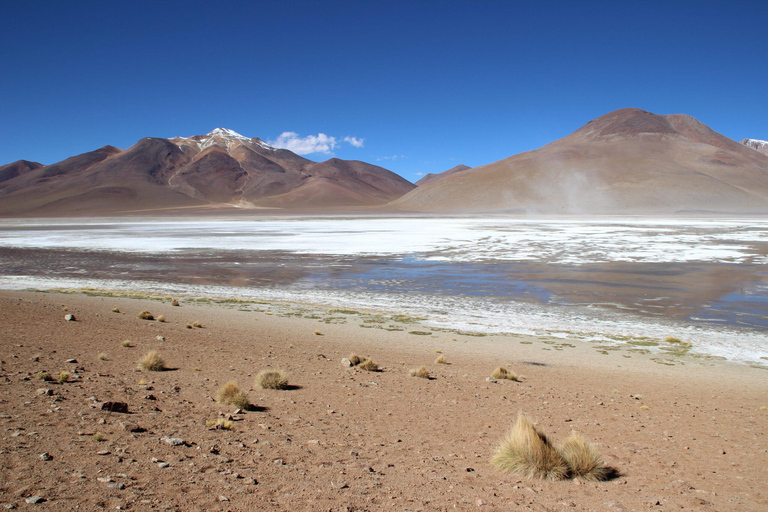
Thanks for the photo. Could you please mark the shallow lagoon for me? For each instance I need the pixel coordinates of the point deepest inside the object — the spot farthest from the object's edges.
(596, 279)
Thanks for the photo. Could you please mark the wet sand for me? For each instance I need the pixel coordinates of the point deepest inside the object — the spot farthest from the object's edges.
(682, 432)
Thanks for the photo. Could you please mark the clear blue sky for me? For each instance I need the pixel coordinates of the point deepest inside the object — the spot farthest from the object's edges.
(432, 84)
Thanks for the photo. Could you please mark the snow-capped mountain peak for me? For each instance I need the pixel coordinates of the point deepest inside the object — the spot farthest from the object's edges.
(756, 144)
(222, 137)
(226, 132)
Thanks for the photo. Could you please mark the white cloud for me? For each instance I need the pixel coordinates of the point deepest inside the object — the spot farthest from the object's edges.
(358, 143)
(320, 143)
(393, 157)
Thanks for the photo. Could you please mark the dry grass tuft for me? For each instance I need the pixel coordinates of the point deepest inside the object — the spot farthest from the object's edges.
(369, 365)
(102, 356)
(115, 309)
(676, 341)
(161, 318)
(272, 379)
(441, 360)
(43, 376)
(582, 458)
(420, 372)
(63, 377)
(528, 453)
(231, 394)
(146, 315)
(197, 324)
(174, 302)
(355, 359)
(503, 373)
(318, 333)
(152, 362)
(126, 344)
(142, 382)
(221, 424)
(98, 436)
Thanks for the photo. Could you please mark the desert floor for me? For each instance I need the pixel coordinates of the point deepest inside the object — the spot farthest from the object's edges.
(682, 433)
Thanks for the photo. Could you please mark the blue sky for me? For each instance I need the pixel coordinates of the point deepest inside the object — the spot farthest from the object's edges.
(426, 85)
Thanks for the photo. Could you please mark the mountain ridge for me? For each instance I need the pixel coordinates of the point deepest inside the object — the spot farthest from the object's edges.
(219, 169)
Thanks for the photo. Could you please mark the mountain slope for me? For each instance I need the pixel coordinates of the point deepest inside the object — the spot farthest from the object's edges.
(219, 169)
(627, 161)
(429, 178)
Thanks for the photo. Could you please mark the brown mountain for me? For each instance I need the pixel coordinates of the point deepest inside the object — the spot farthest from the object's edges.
(17, 168)
(627, 161)
(221, 168)
(429, 178)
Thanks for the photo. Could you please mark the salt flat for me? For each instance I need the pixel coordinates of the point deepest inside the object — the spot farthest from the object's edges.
(607, 280)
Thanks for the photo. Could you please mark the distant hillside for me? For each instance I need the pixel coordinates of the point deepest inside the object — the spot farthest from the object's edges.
(627, 161)
(429, 178)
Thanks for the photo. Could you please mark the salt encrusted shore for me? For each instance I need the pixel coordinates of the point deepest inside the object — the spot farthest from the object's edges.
(681, 432)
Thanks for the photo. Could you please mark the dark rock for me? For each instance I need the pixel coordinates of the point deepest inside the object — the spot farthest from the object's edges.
(113, 406)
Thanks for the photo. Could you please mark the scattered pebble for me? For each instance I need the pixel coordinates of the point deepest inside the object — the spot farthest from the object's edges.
(69, 318)
(45, 392)
(33, 500)
(46, 456)
(173, 441)
(71, 361)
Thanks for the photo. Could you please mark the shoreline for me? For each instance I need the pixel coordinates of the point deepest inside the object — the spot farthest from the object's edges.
(661, 351)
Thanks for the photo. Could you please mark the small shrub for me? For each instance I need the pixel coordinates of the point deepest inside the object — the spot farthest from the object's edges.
(174, 302)
(161, 318)
(420, 372)
(441, 360)
(43, 376)
(99, 437)
(503, 373)
(582, 458)
(369, 365)
(272, 379)
(438, 351)
(528, 453)
(355, 359)
(102, 356)
(677, 341)
(126, 344)
(63, 377)
(152, 362)
(231, 394)
(220, 423)
(146, 315)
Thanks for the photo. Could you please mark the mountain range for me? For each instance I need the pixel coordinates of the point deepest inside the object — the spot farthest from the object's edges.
(626, 162)
(220, 168)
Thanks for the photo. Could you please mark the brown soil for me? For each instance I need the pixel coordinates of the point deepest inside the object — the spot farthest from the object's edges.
(689, 436)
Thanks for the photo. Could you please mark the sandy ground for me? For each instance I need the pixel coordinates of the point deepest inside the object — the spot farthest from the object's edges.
(688, 434)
